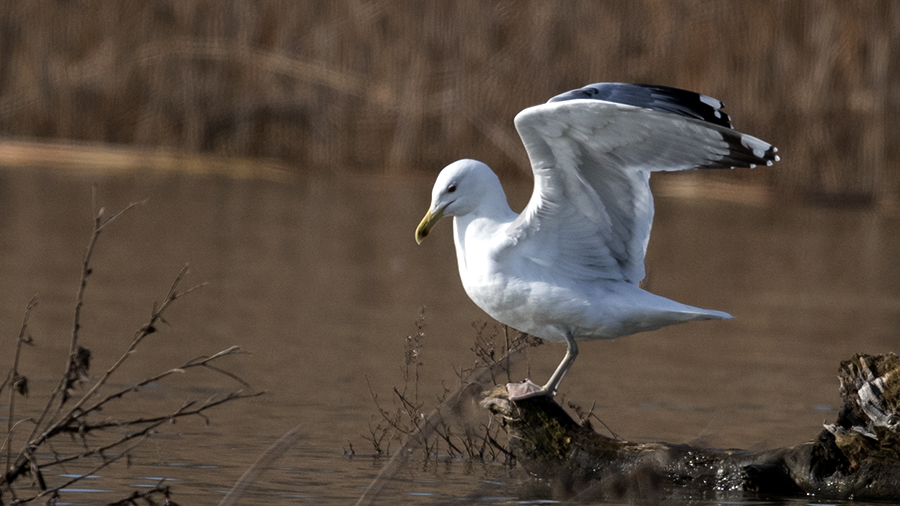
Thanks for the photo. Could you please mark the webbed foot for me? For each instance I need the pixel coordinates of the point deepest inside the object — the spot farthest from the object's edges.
(526, 390)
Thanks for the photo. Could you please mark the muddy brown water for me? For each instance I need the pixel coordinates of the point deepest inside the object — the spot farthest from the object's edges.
(320, 281)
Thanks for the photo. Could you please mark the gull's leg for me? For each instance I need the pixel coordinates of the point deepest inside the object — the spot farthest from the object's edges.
(527, 389)
(563, 368)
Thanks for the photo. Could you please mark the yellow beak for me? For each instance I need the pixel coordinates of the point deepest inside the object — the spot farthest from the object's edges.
(427, 223)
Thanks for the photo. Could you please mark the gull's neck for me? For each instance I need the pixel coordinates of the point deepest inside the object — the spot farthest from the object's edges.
(476, 229)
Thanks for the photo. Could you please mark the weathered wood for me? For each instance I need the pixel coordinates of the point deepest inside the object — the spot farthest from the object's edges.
(856, 457)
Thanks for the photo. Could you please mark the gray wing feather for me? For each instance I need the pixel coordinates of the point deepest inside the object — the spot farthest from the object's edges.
(592, 161)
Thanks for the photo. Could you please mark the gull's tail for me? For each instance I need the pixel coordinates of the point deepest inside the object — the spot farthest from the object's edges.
(711, 314)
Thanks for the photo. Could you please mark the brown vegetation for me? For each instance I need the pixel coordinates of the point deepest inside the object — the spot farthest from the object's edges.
(389, 86)
(454, 428)
(80, 424)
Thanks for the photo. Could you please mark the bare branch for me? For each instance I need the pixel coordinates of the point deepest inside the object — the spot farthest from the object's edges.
(144, 331)
(106, 462)
(196, 362)
(15, 381)
(118, 214)
(81, 419)
(62, 388)
(427, 426)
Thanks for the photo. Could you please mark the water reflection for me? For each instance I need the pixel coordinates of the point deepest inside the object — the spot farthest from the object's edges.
(319, 279)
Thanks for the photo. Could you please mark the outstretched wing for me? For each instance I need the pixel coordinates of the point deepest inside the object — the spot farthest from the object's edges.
(592, 151)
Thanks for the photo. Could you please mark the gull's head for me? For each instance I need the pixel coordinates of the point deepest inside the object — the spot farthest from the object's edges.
(460, 189)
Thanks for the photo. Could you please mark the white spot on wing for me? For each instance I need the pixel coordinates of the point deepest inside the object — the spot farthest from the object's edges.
(712, 102)
(757, 146)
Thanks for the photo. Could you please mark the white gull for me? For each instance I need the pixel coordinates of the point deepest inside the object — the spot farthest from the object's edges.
(567, 268)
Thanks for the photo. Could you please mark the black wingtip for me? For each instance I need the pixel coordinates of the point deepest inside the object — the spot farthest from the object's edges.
(658, 98)
(744, 151)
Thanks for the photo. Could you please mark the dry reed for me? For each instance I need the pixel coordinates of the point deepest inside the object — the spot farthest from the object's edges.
(395, 86)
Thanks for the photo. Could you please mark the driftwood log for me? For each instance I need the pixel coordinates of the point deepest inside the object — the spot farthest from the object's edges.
(856, 457)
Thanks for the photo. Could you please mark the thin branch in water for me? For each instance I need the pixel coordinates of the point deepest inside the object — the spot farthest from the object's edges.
(81, 420)
(264, 461)
(17, 382)
(196, 362)
(187, 409)
(106, 462)
(62, 388)
(144, 331)
(429, 425)
(118, 214)
(85, 428)
(146, 496)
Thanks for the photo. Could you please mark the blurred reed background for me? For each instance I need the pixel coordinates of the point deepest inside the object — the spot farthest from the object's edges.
(389, 86)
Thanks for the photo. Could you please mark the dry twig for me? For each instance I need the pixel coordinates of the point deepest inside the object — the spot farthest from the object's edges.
(81, 418)
(425, 431)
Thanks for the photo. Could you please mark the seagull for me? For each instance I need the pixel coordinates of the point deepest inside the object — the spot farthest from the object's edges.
(568, 268)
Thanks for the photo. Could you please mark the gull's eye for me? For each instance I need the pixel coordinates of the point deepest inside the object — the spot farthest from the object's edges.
(451, 188)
